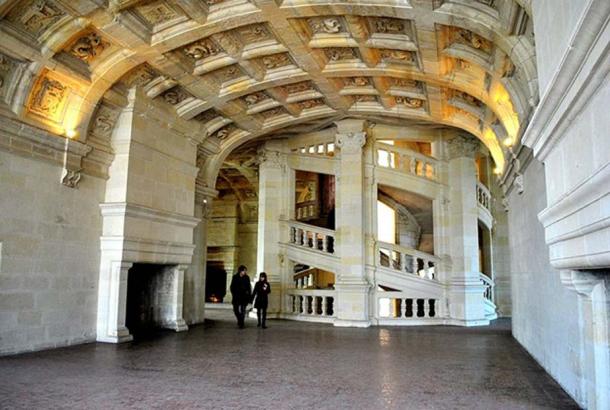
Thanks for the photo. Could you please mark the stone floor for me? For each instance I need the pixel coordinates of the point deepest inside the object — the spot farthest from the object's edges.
(290, 365)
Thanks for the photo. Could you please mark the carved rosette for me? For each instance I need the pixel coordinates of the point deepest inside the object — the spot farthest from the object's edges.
(462, 146)
(351, 143)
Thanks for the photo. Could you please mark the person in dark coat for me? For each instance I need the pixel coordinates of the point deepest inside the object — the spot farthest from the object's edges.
(241, 291)
(261, 299)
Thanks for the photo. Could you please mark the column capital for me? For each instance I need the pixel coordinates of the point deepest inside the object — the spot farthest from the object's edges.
(269, 158)
(462, 146)
(351, 142)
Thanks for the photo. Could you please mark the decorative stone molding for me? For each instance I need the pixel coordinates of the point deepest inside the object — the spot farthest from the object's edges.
(575, 224)
(573, 83)
(145, 213)
(462, 146)
(351, 142)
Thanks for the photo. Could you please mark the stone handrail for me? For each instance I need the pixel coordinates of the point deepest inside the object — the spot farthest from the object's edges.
(312, 237)
(489, 287)
(311, 302)
(405, 160)
(407, 260)
(483, 196)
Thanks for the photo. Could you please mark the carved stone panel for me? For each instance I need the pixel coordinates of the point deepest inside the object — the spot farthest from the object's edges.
(157, 12)
(410, 102)
(139, 76)
(276, 61)
(35, 16)
(175, 95)
(48, 98)
(337, 54)
(201, 49)
(255, 98)
(326, 25)
(103, 122)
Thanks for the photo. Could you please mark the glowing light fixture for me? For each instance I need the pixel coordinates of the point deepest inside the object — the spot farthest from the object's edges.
(509, 142)
(70, 133)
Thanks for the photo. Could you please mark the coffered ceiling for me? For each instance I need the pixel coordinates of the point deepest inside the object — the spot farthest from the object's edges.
(237, 69)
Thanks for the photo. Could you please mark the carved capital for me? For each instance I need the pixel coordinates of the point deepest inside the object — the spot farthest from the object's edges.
(462, 146)
(351, 142)
(270, 159)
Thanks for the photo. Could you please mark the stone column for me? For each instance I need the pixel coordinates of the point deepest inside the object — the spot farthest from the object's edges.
(352, 287)
(466, 291)
(169, 294)
(272, 194)
(194, 277)
(113, 307)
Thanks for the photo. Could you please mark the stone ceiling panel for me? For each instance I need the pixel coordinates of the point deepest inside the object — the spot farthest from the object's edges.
(243, 69)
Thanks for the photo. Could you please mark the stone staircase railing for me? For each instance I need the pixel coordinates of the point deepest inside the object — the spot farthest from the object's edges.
(311, 303)
(406, 161)
(483, 196)
(406, 260)
(312, 237)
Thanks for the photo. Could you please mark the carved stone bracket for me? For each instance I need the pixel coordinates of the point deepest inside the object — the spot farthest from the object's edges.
(73, 155)
(462, 146)
(351, 142)
(203, 197)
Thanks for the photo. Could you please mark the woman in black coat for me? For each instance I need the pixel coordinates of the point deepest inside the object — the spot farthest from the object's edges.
(261, 299)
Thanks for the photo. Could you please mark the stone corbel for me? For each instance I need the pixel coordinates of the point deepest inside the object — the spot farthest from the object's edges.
(73, 154)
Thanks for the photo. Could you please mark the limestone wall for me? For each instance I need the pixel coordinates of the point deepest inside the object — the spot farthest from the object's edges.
(49, 260)
(544, 312)
(553, 24)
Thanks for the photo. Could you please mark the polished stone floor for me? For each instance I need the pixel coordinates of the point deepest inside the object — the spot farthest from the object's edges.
(290, 365)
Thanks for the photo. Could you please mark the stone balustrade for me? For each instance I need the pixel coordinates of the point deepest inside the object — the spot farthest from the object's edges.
(406, 260)
(311, 303)
(399, 305)
(312, 237)
(405, 160)
(489, 287)
(483, 196)
(324, 149)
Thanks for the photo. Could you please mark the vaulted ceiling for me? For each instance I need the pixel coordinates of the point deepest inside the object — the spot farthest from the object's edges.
(239, 69)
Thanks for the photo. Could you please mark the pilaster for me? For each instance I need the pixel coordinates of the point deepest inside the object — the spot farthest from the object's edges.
(351, 283)
(272, 203)
(466, 291)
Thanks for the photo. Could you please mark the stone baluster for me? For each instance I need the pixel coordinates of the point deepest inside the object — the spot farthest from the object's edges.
(324, 305)
(325, 243)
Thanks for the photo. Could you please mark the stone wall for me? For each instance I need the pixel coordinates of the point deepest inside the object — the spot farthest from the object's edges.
(544, 312)
(49, 260)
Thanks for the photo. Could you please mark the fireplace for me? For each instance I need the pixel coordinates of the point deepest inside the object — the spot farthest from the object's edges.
(153, 298)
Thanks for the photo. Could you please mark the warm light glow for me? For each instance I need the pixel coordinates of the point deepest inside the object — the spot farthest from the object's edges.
(70, 133)
(508, 142)
(498, 171)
